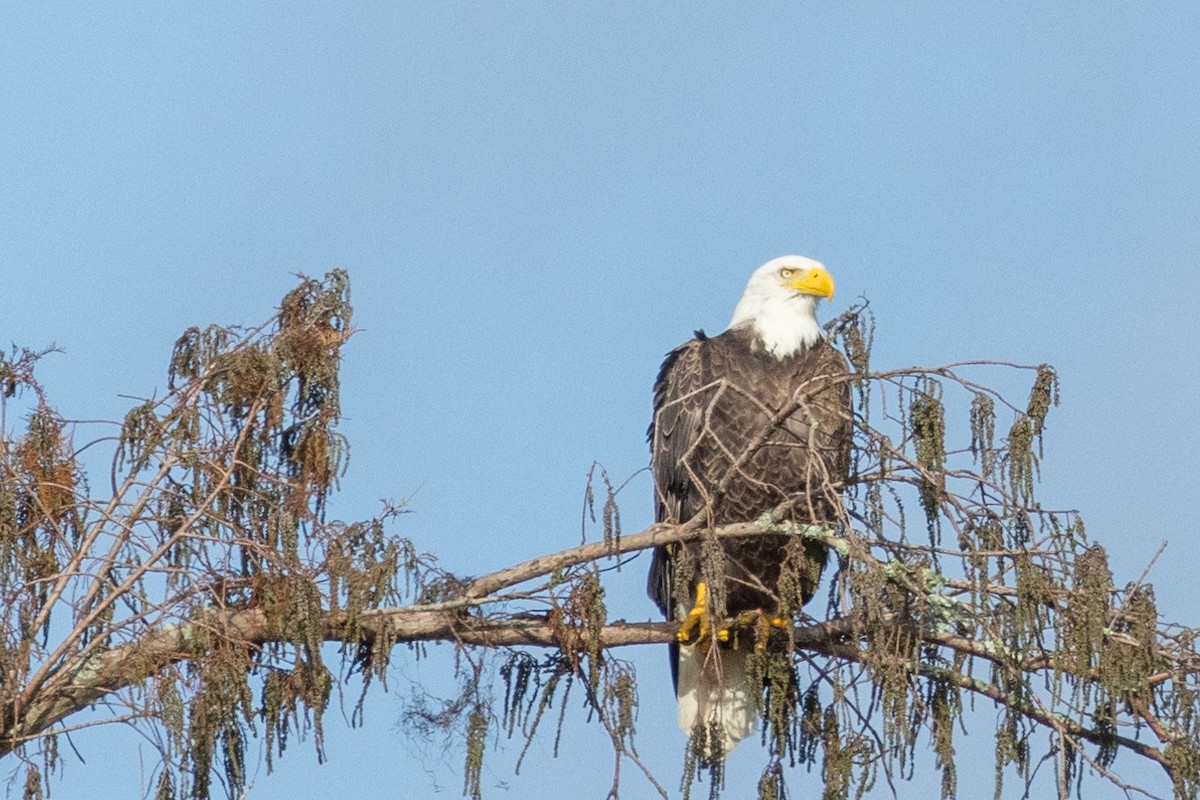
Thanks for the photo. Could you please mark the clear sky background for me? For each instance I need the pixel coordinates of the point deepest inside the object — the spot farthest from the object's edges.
(536, 201)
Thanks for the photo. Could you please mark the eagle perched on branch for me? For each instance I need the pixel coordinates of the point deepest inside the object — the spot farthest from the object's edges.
(743, 422)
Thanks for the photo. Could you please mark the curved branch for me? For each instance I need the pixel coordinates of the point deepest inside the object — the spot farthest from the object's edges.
(130, 664)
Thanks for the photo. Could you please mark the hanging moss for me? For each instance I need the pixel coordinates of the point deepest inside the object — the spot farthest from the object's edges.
(1022, 461)
(33, 784)
(217, 715)
(610, 512)
(141, 435)
(238, 380)
(519, 673)
(983, 433)
(620, 702)
(364, 566)
(195, 351)
(945, 706)
(1012, 748)
(165, 790)
(837, 768)
(982, 535)
(477, 728)
(704, 753)
(172, 712)
(859, 339)
(771, 785)
(1030, 615)
(1182, 757)
(927, 418)
(47, 462)
(873, 510)
(551, 674)
(800, 573)
(1104, 720)
(773, 668)
(1130, 655)
(1027, 431)
(1086, 616)
(854, 330)
(294, 701)
(1042, 396)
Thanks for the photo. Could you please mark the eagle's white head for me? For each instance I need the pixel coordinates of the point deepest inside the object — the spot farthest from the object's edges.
(780, 303)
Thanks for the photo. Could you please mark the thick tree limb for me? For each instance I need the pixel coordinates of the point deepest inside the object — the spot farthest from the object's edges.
(457, 621)
(131, 664)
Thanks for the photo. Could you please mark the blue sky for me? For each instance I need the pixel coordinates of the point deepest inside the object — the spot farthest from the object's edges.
(536, 201)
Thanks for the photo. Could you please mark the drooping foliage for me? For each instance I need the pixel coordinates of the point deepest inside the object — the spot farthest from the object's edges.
(209, 567)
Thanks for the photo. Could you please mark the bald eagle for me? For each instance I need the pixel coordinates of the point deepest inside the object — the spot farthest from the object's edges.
(721, 449)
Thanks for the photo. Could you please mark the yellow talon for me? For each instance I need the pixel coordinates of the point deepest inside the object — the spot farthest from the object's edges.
(761, 623)
(695, 625)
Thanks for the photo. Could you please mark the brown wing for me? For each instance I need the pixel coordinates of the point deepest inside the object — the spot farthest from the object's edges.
(674, 430)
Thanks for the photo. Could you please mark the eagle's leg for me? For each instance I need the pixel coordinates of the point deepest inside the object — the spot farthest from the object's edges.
(696, 625)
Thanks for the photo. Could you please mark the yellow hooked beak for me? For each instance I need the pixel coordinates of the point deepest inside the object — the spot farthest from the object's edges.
(812, 281)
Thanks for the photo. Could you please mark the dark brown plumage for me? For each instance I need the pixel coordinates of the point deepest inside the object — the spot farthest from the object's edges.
(713, 398)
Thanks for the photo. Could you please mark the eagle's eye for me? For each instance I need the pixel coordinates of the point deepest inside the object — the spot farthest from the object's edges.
(786, 272)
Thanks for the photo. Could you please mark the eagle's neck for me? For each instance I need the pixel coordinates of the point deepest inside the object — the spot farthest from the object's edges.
(785, 325)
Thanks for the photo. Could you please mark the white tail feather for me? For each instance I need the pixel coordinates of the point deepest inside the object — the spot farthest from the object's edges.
(717, 690)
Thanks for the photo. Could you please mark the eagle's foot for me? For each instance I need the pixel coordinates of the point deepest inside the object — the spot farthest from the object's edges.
(761, 622)
(696, 625)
